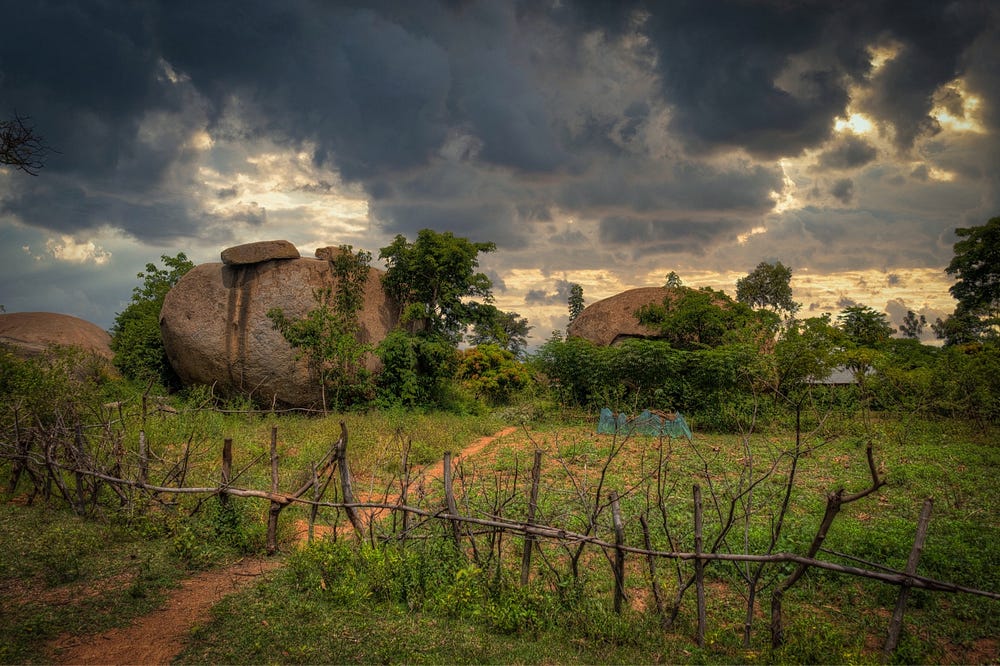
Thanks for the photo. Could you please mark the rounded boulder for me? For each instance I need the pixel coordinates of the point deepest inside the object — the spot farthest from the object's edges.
(216, 330)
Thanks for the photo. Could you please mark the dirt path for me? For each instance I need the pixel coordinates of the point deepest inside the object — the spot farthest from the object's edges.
(160, 636)
(436, 471)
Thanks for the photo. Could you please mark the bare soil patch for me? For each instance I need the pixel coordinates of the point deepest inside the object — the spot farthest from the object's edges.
(158, 637)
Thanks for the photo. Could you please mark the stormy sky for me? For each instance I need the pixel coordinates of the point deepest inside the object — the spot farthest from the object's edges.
(605, 143)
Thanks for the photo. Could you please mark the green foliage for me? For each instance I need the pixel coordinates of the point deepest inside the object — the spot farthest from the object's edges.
(135, 334)
(912, 325)
(977, 265)
(768, 286)
(328, 335)
(434, 279)
(492, 373)
(507, 330)
(699, 318)
(415, 370)
(807, 351)
(864, 326)
(575, 302)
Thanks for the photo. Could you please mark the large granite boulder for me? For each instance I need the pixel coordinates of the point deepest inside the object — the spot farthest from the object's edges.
(216, 330)
(613, 319)
(30, 333)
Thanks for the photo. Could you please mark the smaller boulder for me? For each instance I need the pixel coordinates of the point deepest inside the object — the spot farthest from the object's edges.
(255, 253)
(328, 253)
(31, 333)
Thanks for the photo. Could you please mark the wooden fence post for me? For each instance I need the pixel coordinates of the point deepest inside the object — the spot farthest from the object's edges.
(699, 565)
(227, 467)
(345, 483)
(651, 561)
(449, 496)
(275, 510)
(896, 623)
(78, 454)
(404, 491)
(529, 539)
(143, 457)
(616, 519)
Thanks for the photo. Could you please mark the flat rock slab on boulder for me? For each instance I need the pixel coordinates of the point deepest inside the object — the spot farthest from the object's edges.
(216, 330)
(613, 319)
(33, 332)
(254, 253)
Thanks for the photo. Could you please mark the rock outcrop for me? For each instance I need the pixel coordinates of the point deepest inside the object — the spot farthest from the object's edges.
(255, 253)
(216, 330)
(613, 319)
(31, 333)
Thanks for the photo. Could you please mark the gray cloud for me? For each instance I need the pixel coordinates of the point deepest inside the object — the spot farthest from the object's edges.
(850, 153)
(843, 190)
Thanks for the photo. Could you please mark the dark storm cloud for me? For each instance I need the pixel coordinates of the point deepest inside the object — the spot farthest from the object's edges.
(850, 153)
(667, 236)
(843, 190)
(381, 90)
(770, 77)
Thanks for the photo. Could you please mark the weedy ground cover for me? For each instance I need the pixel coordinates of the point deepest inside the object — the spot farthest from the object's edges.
(422, 600)
(564, 615)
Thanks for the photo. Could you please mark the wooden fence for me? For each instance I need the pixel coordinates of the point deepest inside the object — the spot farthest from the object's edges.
(49, 467)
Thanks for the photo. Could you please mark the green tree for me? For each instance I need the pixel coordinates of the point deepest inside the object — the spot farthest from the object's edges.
(976, 264)
(768, 286)
(912, 325)
(575, 301)
(492, 373)
(673, 280)
(507, 330)
(697, 318)
(806, 352)
(434, 279)
(864, 326)
(328, 335)
(135, 335)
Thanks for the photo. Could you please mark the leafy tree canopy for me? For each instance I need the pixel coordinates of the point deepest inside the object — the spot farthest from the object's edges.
(977, 265)
(864, 326)
(575, 301)
(697, 318)
(506, 330)
(768, 286)
(135, 334)
(434, 278)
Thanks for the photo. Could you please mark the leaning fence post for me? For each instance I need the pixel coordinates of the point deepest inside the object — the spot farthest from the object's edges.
(404, 491)
(529, 540)
(227, 468)
(699, 565)
(275, 510)
(78, 453)
(345, 483)
(143, 458)
(896, 623)
(449, 496)
(616, 518)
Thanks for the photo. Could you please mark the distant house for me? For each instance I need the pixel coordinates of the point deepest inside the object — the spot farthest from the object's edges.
(838, 377)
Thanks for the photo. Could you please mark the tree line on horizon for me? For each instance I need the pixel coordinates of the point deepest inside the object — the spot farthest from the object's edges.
(454, 348)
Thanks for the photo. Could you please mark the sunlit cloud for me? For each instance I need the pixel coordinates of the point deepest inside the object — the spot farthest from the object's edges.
(66, 248)
(858, 123)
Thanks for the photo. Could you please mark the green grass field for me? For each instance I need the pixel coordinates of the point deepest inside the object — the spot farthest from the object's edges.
(424, 601)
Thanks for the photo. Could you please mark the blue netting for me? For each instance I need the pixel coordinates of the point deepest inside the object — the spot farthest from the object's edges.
(657, 424)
